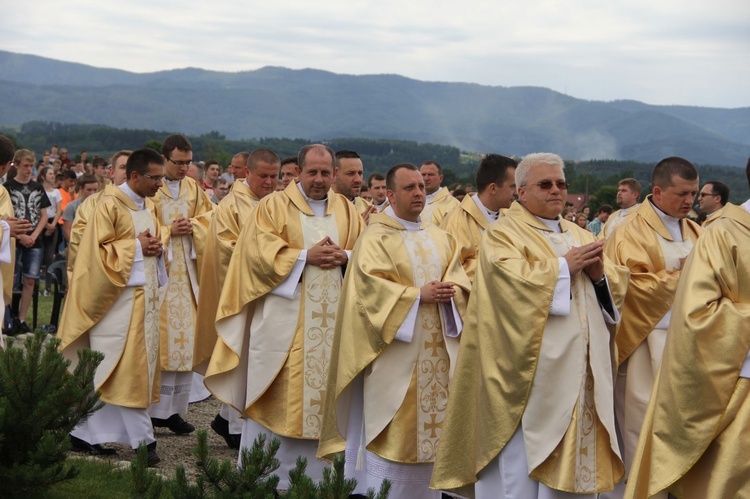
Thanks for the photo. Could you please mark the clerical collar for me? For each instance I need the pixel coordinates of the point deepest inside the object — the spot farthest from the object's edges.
(714, 213)
(318, 206)
(746, 205)
(173, 186)
(138, 200)
(490, 215)
(378, 206)
(410, 226)
(553, 224)
(671, 223)
(430, 196)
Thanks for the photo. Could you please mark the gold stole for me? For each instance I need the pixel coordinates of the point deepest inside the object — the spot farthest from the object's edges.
(412, 434)
(292, 405)
(179, 308)
(582, 461)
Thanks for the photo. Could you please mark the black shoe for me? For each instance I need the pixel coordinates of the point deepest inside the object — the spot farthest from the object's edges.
(78, 445)
(174, 423)
(15, 327)
(153, 458)
(221, 427)
(24, 328)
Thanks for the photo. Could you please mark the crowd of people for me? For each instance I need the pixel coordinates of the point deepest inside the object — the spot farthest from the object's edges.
(487, 346)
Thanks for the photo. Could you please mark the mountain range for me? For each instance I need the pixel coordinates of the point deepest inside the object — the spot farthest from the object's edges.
(317, 105)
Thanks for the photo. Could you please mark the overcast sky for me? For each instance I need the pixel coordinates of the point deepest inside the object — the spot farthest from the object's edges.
(656, 51)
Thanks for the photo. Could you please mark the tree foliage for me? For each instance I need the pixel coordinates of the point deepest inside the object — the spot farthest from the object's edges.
(40, 403)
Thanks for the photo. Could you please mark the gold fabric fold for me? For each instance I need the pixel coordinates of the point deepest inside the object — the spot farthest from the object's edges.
(500, 345)
(688, 421)
(6, 210)
(466, 224)
(83, 214)
(230, 216)
(652, 287)
(439, 206)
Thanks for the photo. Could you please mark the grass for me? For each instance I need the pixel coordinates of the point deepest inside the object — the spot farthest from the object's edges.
(44, 310)
(96, 479)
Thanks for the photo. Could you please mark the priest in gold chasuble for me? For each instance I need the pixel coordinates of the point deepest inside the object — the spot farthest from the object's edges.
(394, 345)
(531, 409)
(653, 243)
(278, 308)
(112, 306)
(230, 216)
(440, 201)
(348, 181)
(496, 183)
(696, 436)
(184, 211)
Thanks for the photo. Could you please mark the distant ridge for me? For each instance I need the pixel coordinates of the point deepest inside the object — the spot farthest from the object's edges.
(310, 103)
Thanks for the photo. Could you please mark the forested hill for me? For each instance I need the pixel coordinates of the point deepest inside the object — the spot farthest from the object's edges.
(312, 104)
(596, 177)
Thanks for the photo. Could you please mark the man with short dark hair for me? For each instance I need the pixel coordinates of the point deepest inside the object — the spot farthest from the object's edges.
(277, 311)
(348, 179)
(653, 244)
(30, 202)
(102, 171)
(440, 202)
(112, 306)
(394, 345)
(712, 199)
(289, 170)
(229, 218)
(376, 183)
(602, 215)
(185, 211)
(628, 192)
(220, 190)
(694, 439)
(495, 179)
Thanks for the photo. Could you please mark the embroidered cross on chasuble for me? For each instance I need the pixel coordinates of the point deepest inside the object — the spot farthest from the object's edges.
(413, 434)
(180, 304)
(292, 405)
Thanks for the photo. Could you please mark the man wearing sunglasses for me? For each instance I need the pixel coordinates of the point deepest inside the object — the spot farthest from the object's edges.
(653, 243)
(185, 211)
(530, 412)
(712, 199)
(112, 306)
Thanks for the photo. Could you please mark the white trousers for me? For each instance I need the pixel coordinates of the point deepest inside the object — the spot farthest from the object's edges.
(114, 423)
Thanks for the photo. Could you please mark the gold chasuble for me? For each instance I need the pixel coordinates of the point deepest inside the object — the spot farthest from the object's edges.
(184, 255)
(642, 244)
(520, 364)
(438, 206)
(271, 357)
(103, 313)
(83, 214)
(230, 216)
(405, 384)
(615, 220)
(361, 205)
(7, 269)
(467, 224)
(696, 436)
(712, 218)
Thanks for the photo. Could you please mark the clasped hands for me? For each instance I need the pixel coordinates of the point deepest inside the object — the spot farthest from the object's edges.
(181, 227)
(326, 255)
(150, 245)
(587, 258)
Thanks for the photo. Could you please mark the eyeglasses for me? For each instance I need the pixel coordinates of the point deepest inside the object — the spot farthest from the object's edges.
(546, 185)
(155, 178)
(187, 162)
(704, 194)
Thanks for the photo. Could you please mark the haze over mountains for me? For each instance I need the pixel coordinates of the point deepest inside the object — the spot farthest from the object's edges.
(313, 104)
